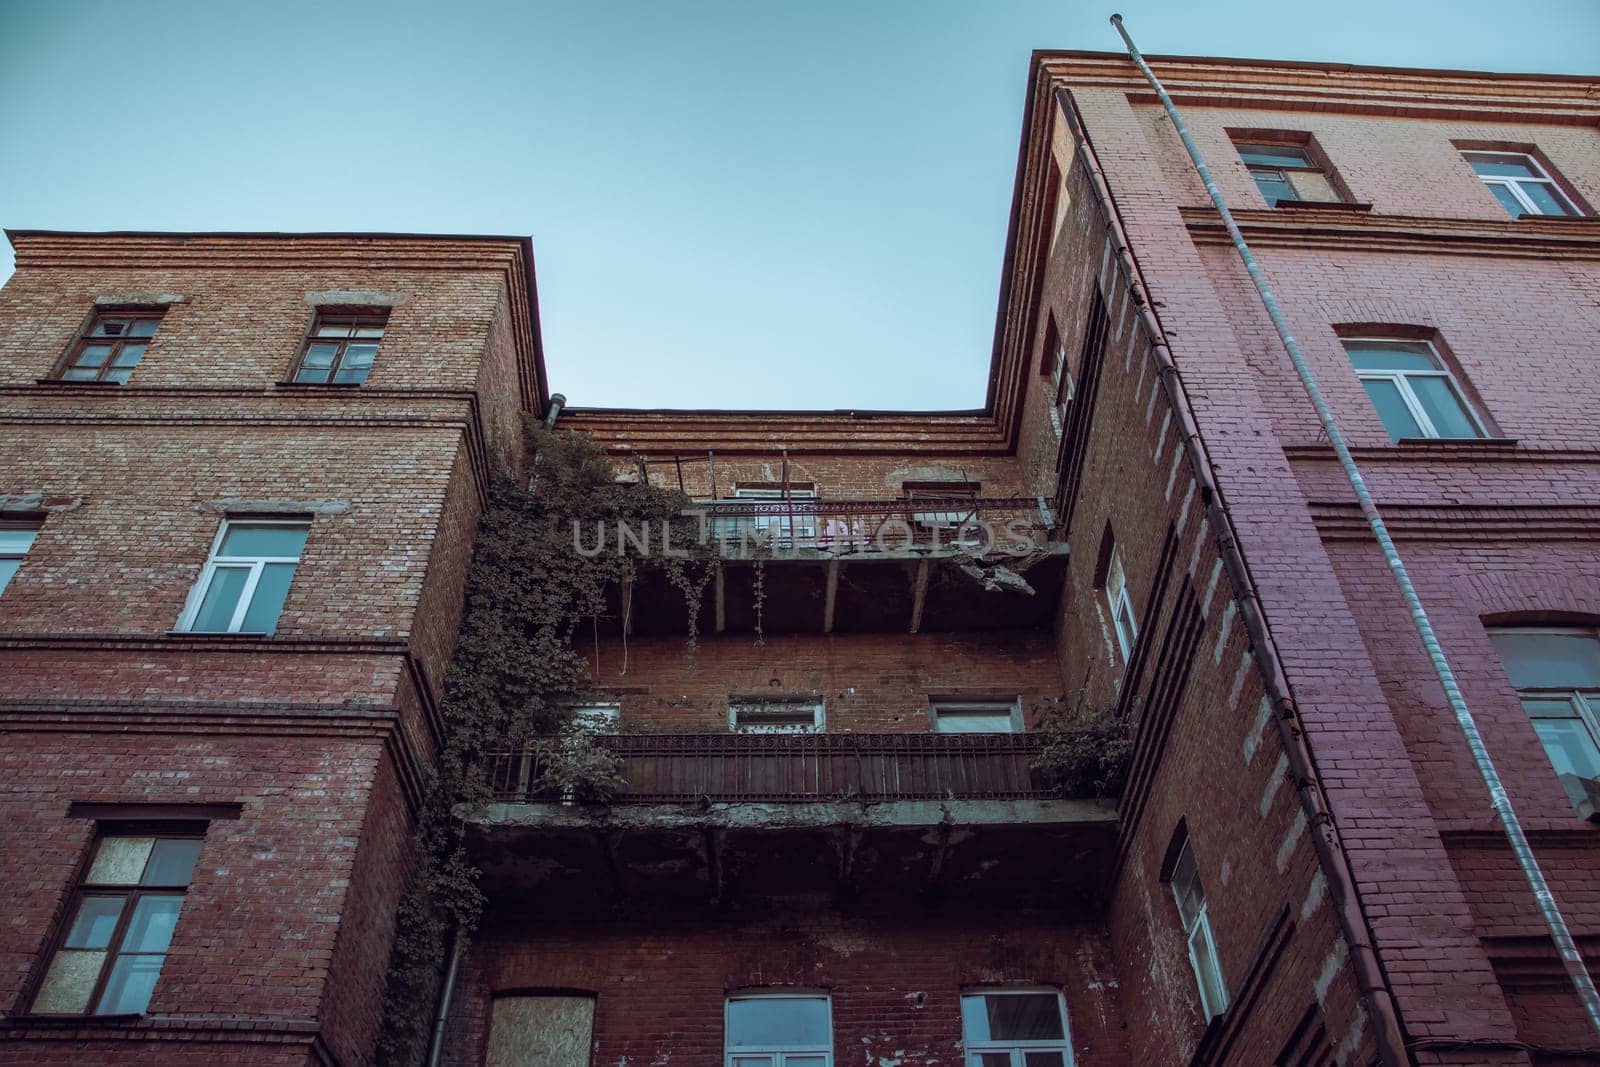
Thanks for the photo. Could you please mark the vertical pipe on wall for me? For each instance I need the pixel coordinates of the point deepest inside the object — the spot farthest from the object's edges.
(1560, 934)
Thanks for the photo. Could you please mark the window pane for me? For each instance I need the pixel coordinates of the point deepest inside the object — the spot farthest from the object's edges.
(79, 374)
(1313, 186)
(110, 327)
(752, 1061)
(346, 375)
(1391, 355)
(95, 922)
(69, 983)
(804, 1061)
(1274, 187)
(15, 542)
(8, 567)
(221, 600)
(1555, 708)
(1549, 660)
(1507, 198)
(1392, 410)
(1267, 155)
(129, 356)
(333, 328)
(320, 355)
(267, 602)
(128, 989)
(311, 375)
(1044, 1059)
(777, 1022)
(1213, 998)
(1023, 1016)
(1502, 166)
(143, 327)
(119, 861)
(359, 355)
(1443, 406)
(973, 722)
(120, 375)
(151, 925)
(369, 331)
(172, 861)
(1570, 746)
(258, 541)
(93, 355)
(1544, 198)
(991, 1059)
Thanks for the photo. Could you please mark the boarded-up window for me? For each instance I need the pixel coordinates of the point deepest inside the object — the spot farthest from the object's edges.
(538, 1031)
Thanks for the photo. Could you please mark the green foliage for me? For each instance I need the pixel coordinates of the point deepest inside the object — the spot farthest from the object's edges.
(513, 678)
(1084, 753)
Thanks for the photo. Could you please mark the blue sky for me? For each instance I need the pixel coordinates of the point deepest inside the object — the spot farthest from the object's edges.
(759, 204)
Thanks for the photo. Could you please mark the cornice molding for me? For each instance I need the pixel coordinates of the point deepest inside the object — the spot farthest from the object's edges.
(1393, 91)
(1574, 239)
(765, 433)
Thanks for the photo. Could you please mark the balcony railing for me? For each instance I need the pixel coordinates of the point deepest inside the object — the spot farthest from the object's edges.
(684, 768)
(864, 526)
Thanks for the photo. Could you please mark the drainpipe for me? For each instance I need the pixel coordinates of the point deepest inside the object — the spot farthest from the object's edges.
(436, 1039)
(1370, 980)
(1560, 934)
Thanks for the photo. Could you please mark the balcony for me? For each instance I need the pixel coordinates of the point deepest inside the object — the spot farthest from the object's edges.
(864, 566)
(864, 819)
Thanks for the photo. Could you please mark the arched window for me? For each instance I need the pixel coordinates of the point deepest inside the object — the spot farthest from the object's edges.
(1557, 675)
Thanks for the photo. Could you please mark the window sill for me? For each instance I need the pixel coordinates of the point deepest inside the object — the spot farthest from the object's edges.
(1325, 205)
(216, 635)
(84, 385)
(319, 385)
(1500, 443)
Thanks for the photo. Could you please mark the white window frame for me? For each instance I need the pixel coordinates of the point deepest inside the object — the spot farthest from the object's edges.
(779, 527)
(594, 716)
(1064, 390)
(956, 706)
(1018, 1050)
(777, 1055)
(1529, 205)
(254, 564)
(1585, 703)
(1200, 925)
(816, 707)
(1124, 619)
(18, 554)
(1408, 395)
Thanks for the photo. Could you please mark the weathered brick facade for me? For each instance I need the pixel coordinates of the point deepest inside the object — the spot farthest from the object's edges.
(1287, 725)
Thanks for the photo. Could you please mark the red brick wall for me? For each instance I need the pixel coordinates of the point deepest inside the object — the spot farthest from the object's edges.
(868, 682)
(895, 981)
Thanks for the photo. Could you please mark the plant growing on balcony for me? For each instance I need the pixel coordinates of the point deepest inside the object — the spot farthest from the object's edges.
(514, 675)
(1084, 752)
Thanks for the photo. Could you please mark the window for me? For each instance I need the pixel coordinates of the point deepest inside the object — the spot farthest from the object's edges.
(780, 715)
(111, 347)
(551, 1031)
(15, 540)
(244, 583)
(121, 922)
(1120, 602)
(1557, 675)
(961, 507)
(1414, 394)
(771, 516)
(976, 717)
(1287, 173)
(1519, 183)
(1015, 1028)
(600, 717)
(1197, 931)
(778, 1030)
(340, 350)
(1055, 362)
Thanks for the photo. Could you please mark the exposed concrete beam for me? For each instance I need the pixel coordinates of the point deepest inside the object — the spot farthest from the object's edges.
(919, 594)
(830, 595)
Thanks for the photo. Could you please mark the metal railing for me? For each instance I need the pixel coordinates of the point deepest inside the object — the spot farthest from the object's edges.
(682, 768)
(848, 526)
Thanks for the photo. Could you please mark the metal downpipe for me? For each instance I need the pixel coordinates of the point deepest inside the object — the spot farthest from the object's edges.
(1560, 934)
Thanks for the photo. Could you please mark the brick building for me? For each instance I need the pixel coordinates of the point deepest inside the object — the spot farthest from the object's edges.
(243, 480)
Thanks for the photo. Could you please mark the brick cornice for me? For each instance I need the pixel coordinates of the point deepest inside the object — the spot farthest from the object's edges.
(1565, 238)
(1338, 87)
(765, 432)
